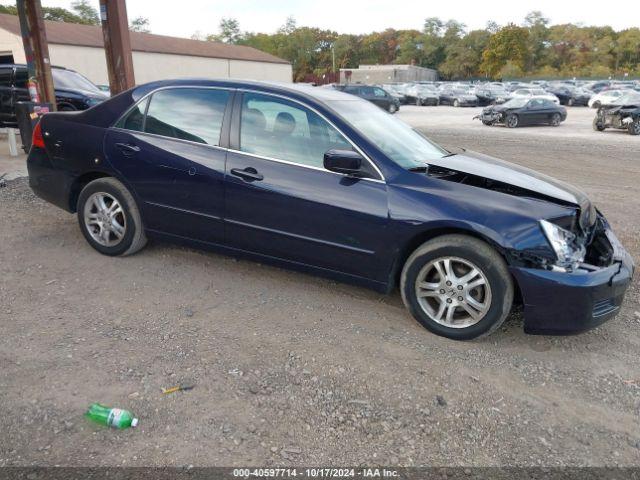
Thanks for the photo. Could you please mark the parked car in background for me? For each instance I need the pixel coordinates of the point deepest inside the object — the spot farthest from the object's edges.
(324, 182)
(604, 97)
(375, 95)
(491, 94)
(521, 111)
(622, 113)
(569, 95)
(73, 91)
(397, 91)
(457, 96)
(421, 94)
(534, 92)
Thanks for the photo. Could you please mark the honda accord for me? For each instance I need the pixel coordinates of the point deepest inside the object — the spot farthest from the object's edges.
(325, 182)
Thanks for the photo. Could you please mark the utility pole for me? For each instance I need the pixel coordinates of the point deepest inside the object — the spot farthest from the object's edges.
(117, 45)
(36, 49)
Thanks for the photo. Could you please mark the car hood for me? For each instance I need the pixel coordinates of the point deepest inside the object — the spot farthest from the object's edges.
(491, 168)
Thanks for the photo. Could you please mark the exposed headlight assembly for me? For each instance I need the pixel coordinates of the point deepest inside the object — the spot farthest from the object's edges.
(568, 253)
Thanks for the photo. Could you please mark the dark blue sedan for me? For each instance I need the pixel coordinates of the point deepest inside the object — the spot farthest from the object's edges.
(323, 181)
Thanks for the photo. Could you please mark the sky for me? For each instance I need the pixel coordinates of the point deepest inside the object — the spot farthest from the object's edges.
(184, 18)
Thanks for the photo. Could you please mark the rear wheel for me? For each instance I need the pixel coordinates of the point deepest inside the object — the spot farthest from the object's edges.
(570, 102)
(109, 218)
(598, 126)
(555, 119)
(418, 102)
(512, 120)
(457, 287)
(634, 127)
(456, 103)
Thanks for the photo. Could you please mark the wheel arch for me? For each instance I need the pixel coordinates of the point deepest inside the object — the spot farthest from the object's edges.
(424, 236)
(79, 183)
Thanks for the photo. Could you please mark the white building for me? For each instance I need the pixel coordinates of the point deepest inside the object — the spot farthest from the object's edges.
(387, 74)
(155, 57)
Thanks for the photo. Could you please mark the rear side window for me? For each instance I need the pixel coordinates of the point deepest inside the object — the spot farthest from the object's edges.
(5, 77)
(134, 120)
(193, 114)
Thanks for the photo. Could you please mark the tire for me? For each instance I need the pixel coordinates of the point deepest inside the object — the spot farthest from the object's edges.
(437, 104)
(555, 120)
(130, 228)
(487, 122)
(634, 127)
(570, 102)
(598, 126)
(492, 268)
(456, 103)
(392, 108)
(418, 102)
(596, 104)
(512, 120)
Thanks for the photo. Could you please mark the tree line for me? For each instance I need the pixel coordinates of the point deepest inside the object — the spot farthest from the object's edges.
(534, 48)
(81, 12)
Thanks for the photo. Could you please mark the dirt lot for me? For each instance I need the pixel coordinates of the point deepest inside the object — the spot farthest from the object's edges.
(292, 369)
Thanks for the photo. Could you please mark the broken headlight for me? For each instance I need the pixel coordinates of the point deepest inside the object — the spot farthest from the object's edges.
(564, 243)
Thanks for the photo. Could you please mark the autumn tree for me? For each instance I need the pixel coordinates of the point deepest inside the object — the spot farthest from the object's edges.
(508, 47)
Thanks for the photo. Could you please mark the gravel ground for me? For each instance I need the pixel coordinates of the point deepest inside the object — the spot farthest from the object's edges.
(291, 369)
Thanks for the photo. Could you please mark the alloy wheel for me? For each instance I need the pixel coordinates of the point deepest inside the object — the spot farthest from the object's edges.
(453, 292)
(555, 120)
(105, 219)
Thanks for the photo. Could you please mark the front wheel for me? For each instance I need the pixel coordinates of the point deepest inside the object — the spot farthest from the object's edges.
(457, 287)
(570, 102)
(555, 119)
(109, 218)
(596, 104)
(487, 122)
(512, 120)
(456, 103)
(634, 127)
(418, 102)
(393, 108)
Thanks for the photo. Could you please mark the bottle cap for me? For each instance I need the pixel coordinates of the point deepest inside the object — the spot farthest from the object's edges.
(134, 422)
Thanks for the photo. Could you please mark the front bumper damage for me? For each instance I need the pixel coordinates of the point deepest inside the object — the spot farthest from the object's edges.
(562, 303)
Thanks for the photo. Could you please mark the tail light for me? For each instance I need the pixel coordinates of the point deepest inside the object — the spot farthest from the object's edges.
(37, 140)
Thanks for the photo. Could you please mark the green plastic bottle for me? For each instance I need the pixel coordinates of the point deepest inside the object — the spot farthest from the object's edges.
(111, 417)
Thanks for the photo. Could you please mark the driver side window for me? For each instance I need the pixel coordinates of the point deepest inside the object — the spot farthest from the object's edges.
(276, 128)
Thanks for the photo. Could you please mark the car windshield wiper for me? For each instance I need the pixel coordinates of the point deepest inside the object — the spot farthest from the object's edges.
(420, 169)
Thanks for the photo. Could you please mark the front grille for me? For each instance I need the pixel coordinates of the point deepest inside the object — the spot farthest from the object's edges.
(603, 307)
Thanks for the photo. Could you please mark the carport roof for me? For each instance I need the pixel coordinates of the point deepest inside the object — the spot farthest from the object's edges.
(91, 36)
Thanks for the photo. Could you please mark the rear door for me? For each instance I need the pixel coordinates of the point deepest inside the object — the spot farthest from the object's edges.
(168, 148)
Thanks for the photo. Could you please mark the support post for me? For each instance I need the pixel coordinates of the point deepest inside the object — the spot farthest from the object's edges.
(117, 45)
(36, 49)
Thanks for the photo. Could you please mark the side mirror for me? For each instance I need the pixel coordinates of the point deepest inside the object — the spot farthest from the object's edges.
(346, 162)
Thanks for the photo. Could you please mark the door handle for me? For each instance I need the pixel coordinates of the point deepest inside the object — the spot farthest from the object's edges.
(127, 149)
(249, 174)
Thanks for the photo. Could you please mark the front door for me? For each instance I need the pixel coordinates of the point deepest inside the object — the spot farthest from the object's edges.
(168, 149)
(281, 202)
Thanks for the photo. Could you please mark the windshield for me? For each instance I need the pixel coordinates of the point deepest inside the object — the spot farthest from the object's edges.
(516, 103)
(72, 80)
(630, 98)
(403, 145)
(538, 91)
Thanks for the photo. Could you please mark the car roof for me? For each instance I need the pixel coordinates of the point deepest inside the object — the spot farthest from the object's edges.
(299, 90)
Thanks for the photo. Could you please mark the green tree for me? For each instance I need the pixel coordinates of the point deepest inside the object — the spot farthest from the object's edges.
(139, 24)
(87, 14)
(509, 45)
(228, 31)
(537, 24)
